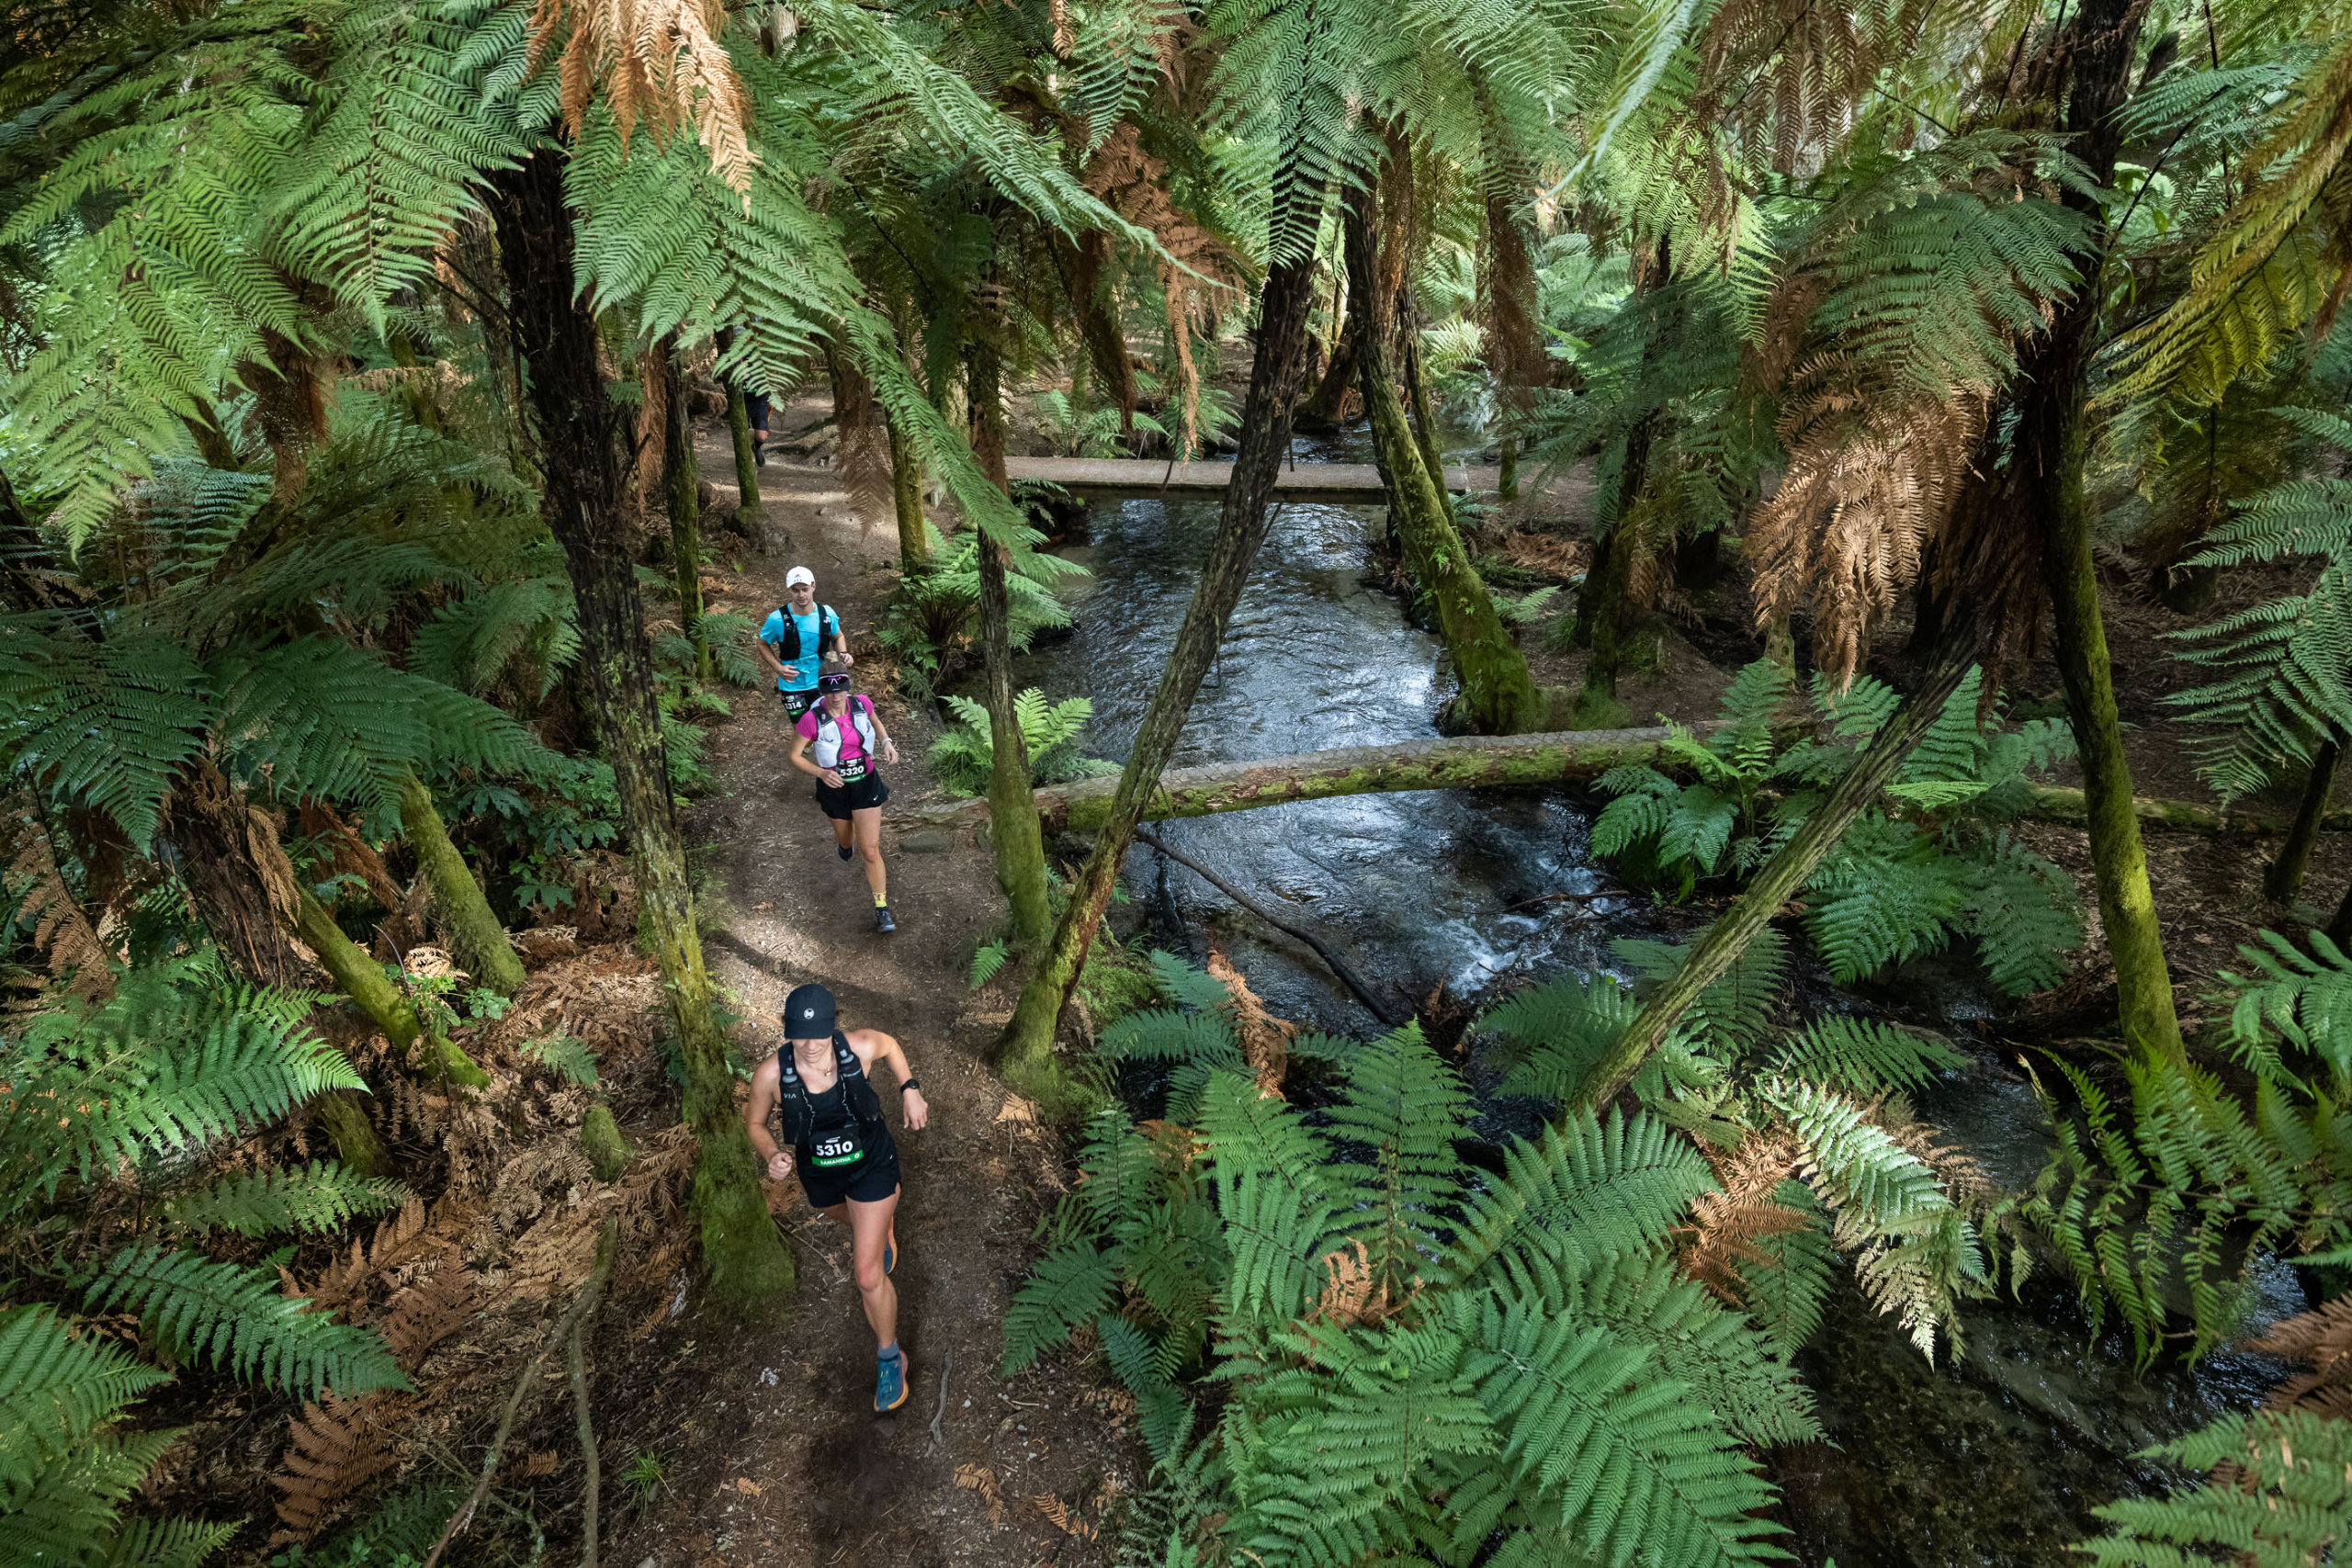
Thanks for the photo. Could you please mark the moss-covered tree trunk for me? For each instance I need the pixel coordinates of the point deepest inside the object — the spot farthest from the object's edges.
(1023, 1053)
(2284, 879)
(2049, 501)
(581, 433)
(1779, 878)
(476, 935)
(363, 979)
(906, 500)
(1608, 585)
(738, 430)
(1507, 310)
(1497, 695)
(1324, 405)
(1013, 835)
(681, 492)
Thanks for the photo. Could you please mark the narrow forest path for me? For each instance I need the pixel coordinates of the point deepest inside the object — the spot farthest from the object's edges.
(776, 1454)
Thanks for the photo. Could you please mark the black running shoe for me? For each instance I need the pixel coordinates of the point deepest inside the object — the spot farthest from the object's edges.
(844, 850)
(882, 921)
(759, 455)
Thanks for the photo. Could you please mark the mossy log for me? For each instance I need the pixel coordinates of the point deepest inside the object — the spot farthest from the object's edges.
(1478, 762)
(607, 1147)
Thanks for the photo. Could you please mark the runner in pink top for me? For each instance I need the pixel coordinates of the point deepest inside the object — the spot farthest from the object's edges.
(841, 744)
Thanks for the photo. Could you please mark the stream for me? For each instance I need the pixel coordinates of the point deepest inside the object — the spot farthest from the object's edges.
(1994, 1458)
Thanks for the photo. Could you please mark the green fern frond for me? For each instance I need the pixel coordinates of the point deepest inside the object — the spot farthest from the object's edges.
(988, 959)
(566, 1055)
(1786, 1291)
(1865, 1055)
(57, 1388)
(2285, 1500)
(1405, 1107)
(1562, 1031)
(1068, 1286)
(321, 1196)
(2306, 999)
(241, 1320)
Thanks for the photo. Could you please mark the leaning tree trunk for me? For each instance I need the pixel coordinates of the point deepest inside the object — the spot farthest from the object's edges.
(477, 936)
(1497, 695)
(738, 430)
(387, 1006)
(906, 500)
(1025, 1051)
(682, 489)
(1780, 879)
(2049, 501)
(579, 432)
(2284, 879)
(1020, 848)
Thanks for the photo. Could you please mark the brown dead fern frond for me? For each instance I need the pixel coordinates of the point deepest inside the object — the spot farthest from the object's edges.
(2322, 1339)
(1726, 1225)
(1353, 1292)
(658, 62)
(424, 1316)
(333, 1450)
(59, 929)
(862, 448)
(1265, 1039)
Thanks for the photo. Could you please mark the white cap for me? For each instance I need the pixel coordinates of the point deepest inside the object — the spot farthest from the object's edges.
(798, 575)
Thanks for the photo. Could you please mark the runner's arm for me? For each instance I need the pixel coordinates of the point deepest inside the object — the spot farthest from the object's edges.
(766, 654)
(799, 758)
(872, 1046)
(772, 1160)
(841, 643)
(889, 747)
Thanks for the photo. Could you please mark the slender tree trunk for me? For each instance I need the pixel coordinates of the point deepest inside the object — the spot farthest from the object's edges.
(387, 1007)
(2339, 930)
(1497, 695)
(1417, 393)
(906, 498)
(1025, 1051)
(738, 430)
(1507, 311)
(580, 432)
(2284, 880)
(476, 934)
(1607, 586)
(681, 489)
(2046, 490)
(1780, 879)
(1323, 406)
(1019, 848)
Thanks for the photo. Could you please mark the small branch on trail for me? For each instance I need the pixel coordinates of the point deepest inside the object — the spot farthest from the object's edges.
(938, 1437)
(607, 1245)
(577, 1364)
(1379, 1010)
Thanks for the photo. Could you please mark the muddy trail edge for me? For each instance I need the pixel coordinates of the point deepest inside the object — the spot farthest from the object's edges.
(771, 1448)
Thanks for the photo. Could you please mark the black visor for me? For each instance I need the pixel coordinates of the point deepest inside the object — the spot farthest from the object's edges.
(832, 682)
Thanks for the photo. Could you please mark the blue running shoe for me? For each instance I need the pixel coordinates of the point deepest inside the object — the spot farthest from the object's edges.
(891, 1381)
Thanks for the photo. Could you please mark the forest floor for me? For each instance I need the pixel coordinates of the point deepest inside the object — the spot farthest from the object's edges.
(774, 1451)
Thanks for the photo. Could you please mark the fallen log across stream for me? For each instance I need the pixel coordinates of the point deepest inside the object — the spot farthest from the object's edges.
(1478, 761)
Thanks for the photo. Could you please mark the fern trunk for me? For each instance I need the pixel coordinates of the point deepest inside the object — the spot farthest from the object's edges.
(681, 489)
(1497, 695)
(1023, 1053)
(1324, 405)
(476, 935)
(581, 433)
(2048, 503)
(1019, 846)
(905, 499)
(2284, 879)
(1095, 305)
(1508, 310)
(1780, 879)
(738, 430)
(362, 979)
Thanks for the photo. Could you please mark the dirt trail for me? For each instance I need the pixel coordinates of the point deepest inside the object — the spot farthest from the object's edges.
(776, 1454)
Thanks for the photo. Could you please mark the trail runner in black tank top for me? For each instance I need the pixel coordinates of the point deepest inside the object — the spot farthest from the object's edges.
(819, 1091)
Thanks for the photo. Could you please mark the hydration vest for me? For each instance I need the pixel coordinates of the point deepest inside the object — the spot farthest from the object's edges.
(826, 749)
(787, 641)
(796, 1111)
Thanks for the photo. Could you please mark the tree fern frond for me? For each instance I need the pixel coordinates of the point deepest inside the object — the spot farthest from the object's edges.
(241, 1320)
(1865, 1055)
(321, 1196)
(57, 1389)
(1068, 1287)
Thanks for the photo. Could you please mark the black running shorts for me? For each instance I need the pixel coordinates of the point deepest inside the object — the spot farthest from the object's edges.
(856, 795)
(871, 1181)
(798, 702)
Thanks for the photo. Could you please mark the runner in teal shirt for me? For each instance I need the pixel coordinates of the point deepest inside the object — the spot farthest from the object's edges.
(793, 650)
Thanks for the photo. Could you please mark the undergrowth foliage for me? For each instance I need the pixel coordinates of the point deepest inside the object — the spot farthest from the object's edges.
(114, 1121)
(1932, 864)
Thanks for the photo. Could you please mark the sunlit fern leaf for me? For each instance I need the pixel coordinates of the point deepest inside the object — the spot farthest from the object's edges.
(1067, 1287)
(965, 751)
(242, 1321)
(318, 1196)
(1634, 1461)
(57, 1388)
(1404, 1107)
(1882, 896)
(986, 959)
(1561, 1032)
(1785, 1291)
(1187, 986)
(1599, 1185)
(566, 1055)
(1853, 1164)
(2284, 1499)
(2305, 999)
(1342, 1471)
(1864, 1055)
(1278, 1203)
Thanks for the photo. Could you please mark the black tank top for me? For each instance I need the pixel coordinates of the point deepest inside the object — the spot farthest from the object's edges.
(837, 1139)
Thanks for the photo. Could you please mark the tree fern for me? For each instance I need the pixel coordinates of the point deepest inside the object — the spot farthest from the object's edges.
(318, 1197)
(1864, 1055)
(1406, 1111)
(962, 754)
(241, 1320)
(1067, 1288)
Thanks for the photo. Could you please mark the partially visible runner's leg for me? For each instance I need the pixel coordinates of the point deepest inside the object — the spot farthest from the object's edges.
(866, 821)
(870, 1229)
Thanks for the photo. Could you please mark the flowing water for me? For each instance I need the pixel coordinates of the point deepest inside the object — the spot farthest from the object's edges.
(1993, 1457)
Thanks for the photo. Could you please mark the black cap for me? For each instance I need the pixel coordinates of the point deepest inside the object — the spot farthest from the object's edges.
(808, 1014)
